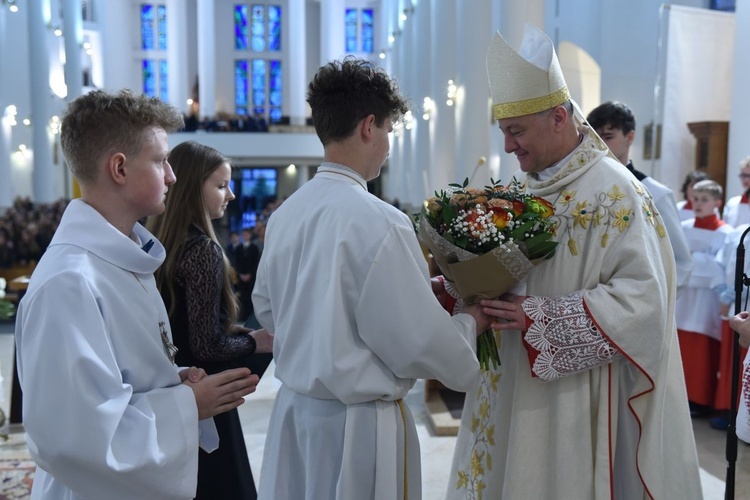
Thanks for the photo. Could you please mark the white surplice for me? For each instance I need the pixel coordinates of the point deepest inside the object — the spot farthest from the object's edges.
(344, 285)
(600, 412)
(736, 212)
(104, 410)
(697, 306)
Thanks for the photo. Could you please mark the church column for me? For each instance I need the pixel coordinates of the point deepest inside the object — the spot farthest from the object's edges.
(178, 81)
(73, 32)
(443, 51)
(472, 100)
(422, 158)
(206, 58)
(509, 18)
(43, 178)
(6, 176)
(303, 175)
(332, 33)
(297, 80)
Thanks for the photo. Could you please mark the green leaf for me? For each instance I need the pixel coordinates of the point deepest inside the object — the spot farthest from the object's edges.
(448, 214)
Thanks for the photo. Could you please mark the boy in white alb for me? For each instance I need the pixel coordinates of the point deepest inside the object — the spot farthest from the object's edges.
(737, 209)
(697, 308)
(106, 411)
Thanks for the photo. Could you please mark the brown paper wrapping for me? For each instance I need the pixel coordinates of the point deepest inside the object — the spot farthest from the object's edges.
(475, 276)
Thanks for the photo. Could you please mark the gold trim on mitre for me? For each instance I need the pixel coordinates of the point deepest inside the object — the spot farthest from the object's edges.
(525, 81)
(530, 106)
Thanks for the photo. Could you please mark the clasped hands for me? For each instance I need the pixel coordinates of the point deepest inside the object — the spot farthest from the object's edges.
(220, 392)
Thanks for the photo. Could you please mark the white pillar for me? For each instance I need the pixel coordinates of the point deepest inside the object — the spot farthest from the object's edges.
(43, 175)
(73, 32)
(443, 52)
(303, 175)
(297, 62)
(6, 178)
(332, 32)
(206, 58)
(739, 127)
(178, 81)
(472, 103)
(422, 158)
(510, 18)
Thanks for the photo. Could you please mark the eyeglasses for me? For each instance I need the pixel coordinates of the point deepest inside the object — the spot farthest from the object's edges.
(744, 176)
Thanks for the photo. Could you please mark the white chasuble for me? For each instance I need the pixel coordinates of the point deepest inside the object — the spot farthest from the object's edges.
(104, 410)
(590, 402)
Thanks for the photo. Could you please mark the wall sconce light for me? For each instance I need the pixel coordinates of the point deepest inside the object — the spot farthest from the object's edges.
(10, 115)
(382, 54)
(408, 120)
(54, 124)
(56, 29)
(12, 5)
(428, 105)
(451, 93)
(26, 122)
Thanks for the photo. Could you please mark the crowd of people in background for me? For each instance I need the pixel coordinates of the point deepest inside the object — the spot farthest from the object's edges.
(224, 122)
(26, 229)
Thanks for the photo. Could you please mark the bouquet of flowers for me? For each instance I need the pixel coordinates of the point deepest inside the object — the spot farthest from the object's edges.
(6, 308)
(485, 241)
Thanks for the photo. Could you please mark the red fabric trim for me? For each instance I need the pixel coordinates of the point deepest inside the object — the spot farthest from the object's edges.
(711, 222)
(688, 205)
(630, 406)
(744, 198)
(530, 351)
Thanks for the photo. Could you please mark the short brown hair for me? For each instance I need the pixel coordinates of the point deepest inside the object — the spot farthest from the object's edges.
(710, 187)
(98, 123)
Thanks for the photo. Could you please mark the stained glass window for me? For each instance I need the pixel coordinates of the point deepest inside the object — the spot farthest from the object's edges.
(240, 87)
(149, 77)
(259, 86)
(367, 31)
(161, 24)
(163, 88)
(274, 27)
(147, 26)
(351, 30)
(258, 28)
(274, 90)
(240, 27)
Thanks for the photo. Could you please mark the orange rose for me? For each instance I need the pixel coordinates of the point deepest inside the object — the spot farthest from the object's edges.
(501, 217)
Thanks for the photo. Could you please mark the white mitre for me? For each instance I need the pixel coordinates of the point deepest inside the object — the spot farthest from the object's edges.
(527, 81)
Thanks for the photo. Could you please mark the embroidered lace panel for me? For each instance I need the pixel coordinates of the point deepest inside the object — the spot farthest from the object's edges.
(567, 340)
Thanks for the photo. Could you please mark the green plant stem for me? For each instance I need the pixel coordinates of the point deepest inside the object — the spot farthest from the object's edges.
(487, 351)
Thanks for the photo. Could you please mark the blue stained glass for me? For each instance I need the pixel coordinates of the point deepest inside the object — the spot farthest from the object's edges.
(274, 27)
(275, 115)
(147, 26)
(149, 77)
(350, 18)
(259, 84)
(258, 28)
(275, 83)
(367, 31)
(240, 87)
(240, 27)
(161, 23)
(163, 86)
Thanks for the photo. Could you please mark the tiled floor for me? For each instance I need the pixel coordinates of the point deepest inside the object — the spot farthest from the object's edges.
(436, 451)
